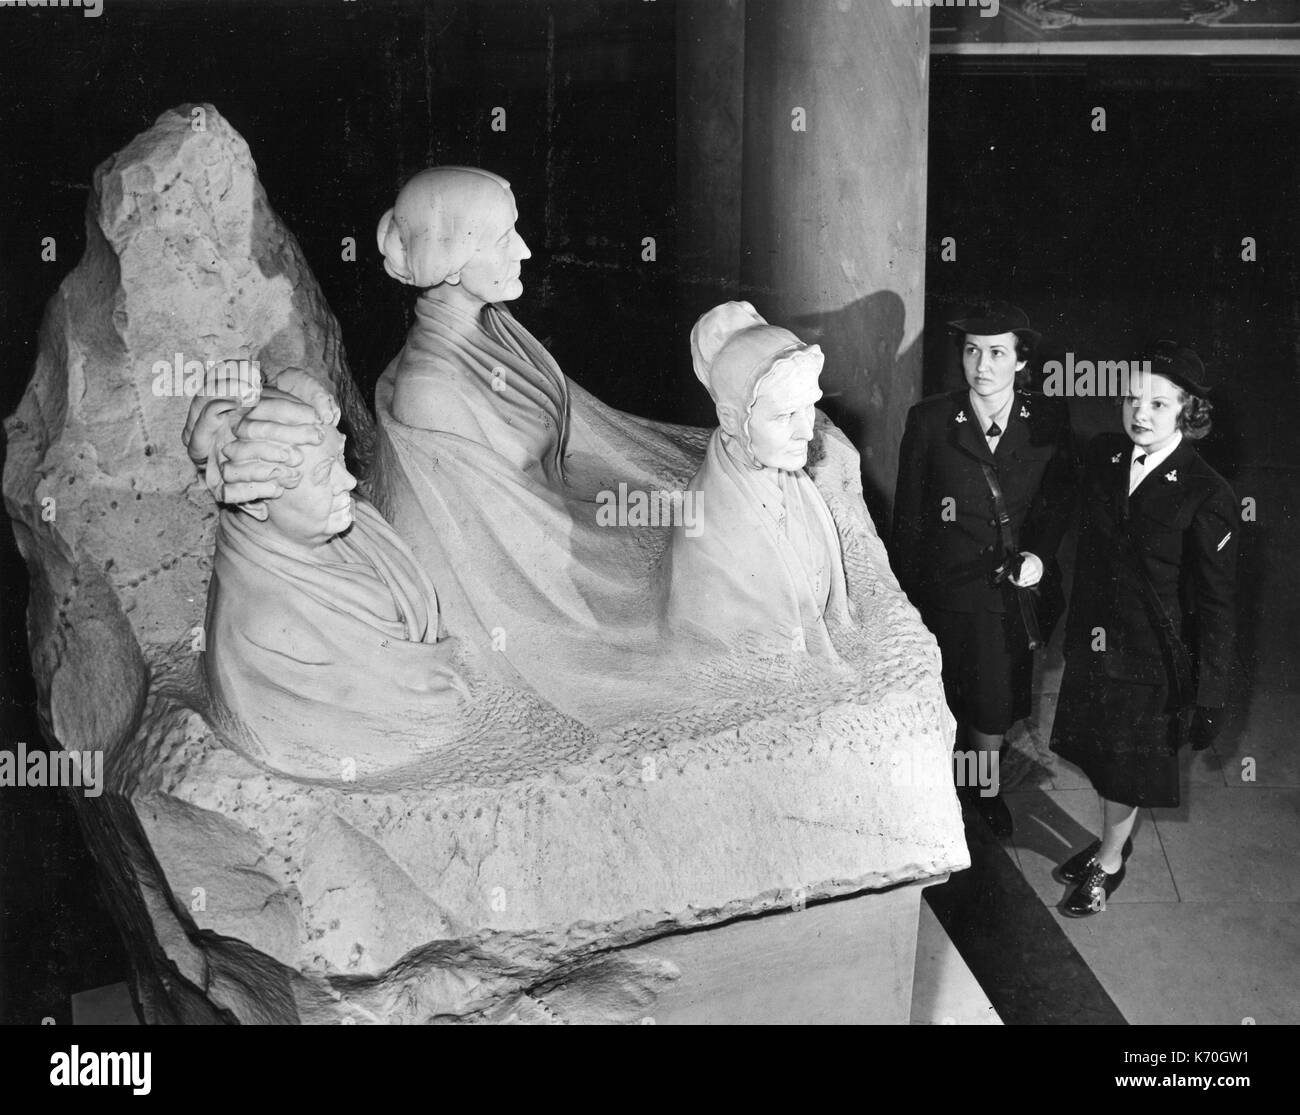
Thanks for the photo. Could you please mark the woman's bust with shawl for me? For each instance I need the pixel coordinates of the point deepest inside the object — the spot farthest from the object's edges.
(762, 380)
(764, 571)
(468, 368)
(322, 630)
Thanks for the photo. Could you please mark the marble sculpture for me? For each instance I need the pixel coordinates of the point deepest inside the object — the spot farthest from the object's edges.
(453, 760)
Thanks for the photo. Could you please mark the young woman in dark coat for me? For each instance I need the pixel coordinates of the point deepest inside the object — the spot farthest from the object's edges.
(1153, 594)
(951, 553)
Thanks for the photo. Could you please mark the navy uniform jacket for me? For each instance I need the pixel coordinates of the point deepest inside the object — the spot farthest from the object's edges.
(1184, 519)
(945, 538)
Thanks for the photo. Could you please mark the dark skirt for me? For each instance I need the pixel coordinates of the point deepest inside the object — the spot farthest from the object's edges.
(988, 669)
(1121, 734)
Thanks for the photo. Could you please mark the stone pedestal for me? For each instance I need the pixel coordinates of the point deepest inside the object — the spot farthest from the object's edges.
(838, 963)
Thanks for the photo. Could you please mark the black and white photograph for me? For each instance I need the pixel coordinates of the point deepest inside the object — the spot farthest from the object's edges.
(652, 512)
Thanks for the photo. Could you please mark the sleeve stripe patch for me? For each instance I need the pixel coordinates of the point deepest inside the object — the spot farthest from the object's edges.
(1224, 542)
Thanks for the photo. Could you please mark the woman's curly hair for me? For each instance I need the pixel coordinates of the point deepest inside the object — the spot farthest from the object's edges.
(1194, 417)
(1193, 414)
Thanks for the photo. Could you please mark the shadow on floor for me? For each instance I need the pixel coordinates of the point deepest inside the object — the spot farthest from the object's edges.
(1013, 945)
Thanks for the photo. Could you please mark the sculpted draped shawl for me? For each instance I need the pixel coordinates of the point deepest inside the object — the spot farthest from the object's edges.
(494, 384)
(764, 571)
(527, 574)
(326, 658)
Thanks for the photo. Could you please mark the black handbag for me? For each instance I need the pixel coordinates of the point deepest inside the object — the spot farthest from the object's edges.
(1041, 606)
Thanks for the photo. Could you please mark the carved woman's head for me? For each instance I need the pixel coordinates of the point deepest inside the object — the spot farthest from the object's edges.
(318, 506)
(454, 226)
(763, 381)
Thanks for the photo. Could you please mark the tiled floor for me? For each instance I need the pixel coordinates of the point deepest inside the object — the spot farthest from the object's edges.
(1206, 926)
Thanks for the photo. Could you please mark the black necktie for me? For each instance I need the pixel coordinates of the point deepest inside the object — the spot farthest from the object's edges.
(994, 430)
(1134, 469)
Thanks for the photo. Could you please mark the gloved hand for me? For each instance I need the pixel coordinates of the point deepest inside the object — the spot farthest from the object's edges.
(1206, 726)
(1031, 571)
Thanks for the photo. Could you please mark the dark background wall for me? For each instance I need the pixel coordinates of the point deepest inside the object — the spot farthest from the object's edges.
(1107, 239)
(1110, 239)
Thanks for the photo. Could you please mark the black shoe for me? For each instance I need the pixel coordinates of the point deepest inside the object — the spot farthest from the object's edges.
(994, 812)
(1074, 868)
(1090, 895)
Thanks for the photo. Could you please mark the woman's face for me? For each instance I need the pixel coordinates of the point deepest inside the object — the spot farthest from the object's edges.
(320, 506)
(990, 363)
(492, 273)
(1151, 411)
(781, 422)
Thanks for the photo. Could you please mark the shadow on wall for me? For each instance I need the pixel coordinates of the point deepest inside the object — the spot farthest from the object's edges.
(867, 385)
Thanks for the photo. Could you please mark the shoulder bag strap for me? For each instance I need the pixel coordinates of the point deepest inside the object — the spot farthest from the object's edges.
(1011, 552)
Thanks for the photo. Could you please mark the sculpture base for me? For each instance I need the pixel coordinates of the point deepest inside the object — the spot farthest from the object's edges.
(838, 962)
(845, 962)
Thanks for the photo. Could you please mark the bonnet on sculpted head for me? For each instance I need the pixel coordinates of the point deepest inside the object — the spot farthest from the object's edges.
(736, 353)
(432, 229)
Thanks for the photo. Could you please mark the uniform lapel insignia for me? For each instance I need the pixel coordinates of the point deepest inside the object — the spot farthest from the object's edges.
(1120, 489)
(1014, 436)
(1171, 475)
(965, 434)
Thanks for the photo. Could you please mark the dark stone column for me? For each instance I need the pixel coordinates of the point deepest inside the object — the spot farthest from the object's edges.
(833, 216)
(710, 130)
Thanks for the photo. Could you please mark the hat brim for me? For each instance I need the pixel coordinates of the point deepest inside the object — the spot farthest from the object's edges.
(1200, 390)
(982, 327)
(1187, 372)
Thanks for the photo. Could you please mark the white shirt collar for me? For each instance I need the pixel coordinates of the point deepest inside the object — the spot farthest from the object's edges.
(1001, 416)
(1154, 460)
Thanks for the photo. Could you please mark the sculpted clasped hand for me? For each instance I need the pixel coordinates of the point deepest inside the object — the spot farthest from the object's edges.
(249, 447)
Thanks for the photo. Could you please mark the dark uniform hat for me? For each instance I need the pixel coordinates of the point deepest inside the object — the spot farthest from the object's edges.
(989, 319)
(1178, 364)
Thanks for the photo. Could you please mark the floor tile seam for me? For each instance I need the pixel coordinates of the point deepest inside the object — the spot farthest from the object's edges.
(1155, 824)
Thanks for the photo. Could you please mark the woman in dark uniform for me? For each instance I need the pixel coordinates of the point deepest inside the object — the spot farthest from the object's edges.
(957, 558)
(1155, 575)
